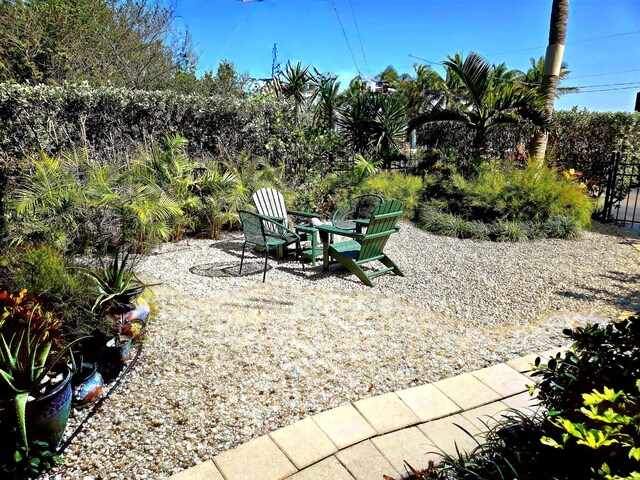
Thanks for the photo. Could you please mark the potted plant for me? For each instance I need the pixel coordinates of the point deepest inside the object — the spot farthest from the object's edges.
(35, 389)
(118, 292)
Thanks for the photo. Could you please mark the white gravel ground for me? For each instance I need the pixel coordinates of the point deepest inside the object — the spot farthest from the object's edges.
(230, 358)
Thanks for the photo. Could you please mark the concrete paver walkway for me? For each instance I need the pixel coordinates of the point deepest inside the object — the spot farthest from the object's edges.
(375, 436)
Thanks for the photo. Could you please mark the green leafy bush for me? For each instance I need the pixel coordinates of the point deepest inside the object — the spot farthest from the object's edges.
(602, 355)
(590, 427)
(113, 122)
(515, 203)
(61, 289)
(326, 195)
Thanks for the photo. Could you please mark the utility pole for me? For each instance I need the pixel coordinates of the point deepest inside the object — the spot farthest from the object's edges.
(637, 109)
(275, 66)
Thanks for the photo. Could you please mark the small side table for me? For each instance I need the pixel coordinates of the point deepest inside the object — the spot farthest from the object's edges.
(313, 252)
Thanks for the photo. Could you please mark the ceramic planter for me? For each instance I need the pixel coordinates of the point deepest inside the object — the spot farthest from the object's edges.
(87, 385)
(115, 354)
(135, 320)
(46, 416)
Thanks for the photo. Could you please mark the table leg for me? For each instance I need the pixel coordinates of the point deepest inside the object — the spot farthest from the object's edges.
(314, 246)
(324, 238)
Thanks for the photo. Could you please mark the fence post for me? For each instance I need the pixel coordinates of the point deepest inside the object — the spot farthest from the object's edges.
(611, 180)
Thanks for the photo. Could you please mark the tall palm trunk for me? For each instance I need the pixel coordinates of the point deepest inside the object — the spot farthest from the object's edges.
(552, 65)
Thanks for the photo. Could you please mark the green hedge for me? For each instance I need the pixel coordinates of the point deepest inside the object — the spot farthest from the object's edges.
(113, 122)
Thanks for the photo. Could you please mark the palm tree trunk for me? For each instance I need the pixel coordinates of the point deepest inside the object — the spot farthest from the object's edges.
(552, 65)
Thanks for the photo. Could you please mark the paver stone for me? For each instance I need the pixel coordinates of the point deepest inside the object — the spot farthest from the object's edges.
(386, 413)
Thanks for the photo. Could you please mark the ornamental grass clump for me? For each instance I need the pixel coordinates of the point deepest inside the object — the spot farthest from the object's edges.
(516, 202)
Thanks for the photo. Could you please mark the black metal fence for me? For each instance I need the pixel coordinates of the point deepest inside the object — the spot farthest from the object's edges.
(622, 192)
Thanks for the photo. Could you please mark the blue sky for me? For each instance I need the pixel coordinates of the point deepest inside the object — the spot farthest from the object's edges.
(391, 30)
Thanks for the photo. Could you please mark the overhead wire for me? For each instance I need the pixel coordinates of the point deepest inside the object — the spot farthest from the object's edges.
(604, 90)
(364, 56)
(345, 37)
(606, 85)
(568, 43)
(605, 74)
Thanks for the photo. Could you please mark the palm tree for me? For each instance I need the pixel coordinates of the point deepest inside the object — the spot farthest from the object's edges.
(328, 100)
(552, 68)
(374, 124)
(294, 83)
(483, 97)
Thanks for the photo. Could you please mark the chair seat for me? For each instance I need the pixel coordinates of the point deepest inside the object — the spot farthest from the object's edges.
(350, 248)
(277, 240)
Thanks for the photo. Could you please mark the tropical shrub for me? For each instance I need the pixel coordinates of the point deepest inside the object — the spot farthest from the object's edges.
(517, 203)
(326, 195)
(590, 427)
(61, 288)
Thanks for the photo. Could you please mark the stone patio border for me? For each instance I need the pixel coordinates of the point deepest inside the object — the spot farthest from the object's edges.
(375, 436)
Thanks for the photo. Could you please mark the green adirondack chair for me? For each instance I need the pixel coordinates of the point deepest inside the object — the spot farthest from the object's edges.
(266, 232)
(367, 247)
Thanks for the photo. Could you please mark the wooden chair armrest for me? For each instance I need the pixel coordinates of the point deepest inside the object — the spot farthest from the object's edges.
(338, 231)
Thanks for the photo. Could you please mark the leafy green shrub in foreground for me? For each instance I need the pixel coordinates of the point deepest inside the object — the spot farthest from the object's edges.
(60, 288)
(591, 426)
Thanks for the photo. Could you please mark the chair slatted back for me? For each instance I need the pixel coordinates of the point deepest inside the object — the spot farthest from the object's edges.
(270, 201)
(381, 226)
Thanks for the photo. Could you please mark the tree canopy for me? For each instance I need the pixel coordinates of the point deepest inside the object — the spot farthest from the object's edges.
(128, 43)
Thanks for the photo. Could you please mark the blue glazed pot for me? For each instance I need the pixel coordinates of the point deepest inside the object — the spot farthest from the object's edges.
(47, 416)
(87, 385)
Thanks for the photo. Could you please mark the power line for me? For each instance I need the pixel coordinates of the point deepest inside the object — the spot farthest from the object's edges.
(605, 74)
(567, 43)
(604, 90)
(425, 60)
(359, 37)
(345, 37)
(605, 85)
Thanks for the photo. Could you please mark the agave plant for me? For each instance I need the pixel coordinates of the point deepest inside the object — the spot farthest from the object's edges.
(24, 359)
(117, 283)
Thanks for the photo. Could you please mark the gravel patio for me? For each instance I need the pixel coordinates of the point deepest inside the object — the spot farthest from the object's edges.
(229, 358)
